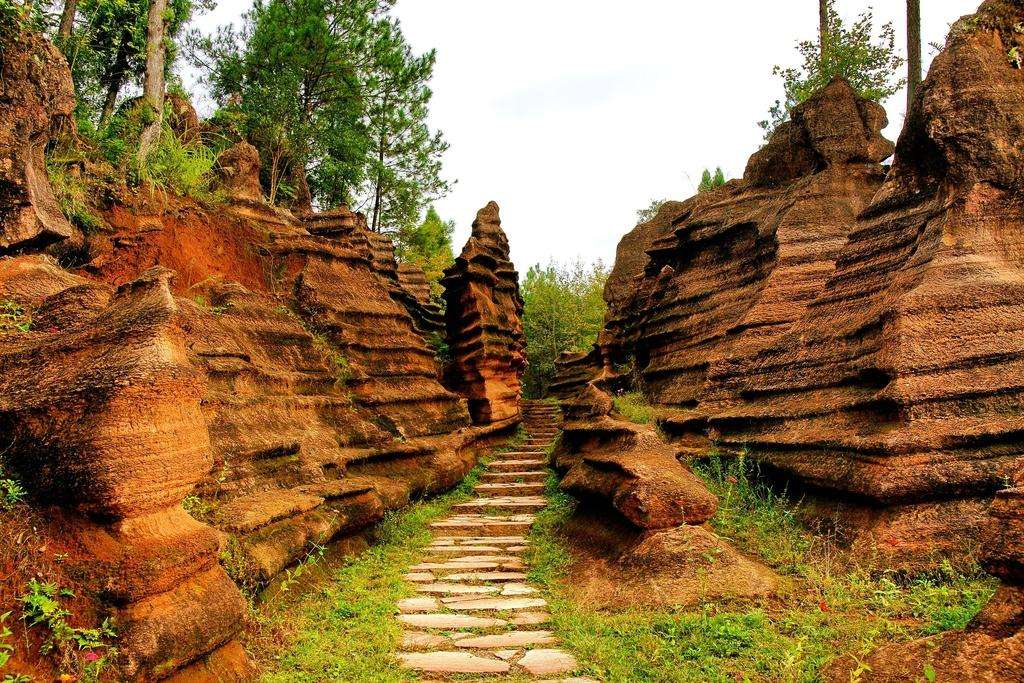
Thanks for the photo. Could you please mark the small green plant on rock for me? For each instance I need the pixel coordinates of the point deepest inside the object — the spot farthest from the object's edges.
(78, 648)
(635, 408)
(13, 317)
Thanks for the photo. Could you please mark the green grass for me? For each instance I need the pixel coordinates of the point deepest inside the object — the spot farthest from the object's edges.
(346, 629)
(833, 608)
(635, 408)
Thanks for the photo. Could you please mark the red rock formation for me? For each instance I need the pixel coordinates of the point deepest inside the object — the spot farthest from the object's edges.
(36, 99)
(900, 382)
(100, 416)
(628, 466)
(641, 516)
(484, 321)
(742, 261)
(345, 291)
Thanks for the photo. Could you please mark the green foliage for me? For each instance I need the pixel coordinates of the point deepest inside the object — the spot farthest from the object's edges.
(564, 311)
(19, 15)
(41, 607)
(13, 317)
(648, 213)
(851, 52)
(828, 610)
(346, 630)
(330, 89)
(635, 408)
(5, 647)
(429, 246)
(71, 192)
(184, 168)
(709, 182)
(107, 48)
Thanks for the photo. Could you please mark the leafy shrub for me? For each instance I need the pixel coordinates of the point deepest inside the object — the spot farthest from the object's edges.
(41, 607)
(71, 192)
(850, 52)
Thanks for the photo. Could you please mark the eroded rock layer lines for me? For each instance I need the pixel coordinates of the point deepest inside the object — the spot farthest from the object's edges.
(484, 322)
(902, 379)
(390, 368)
(641, 522)
(741, 262)
(100, 416)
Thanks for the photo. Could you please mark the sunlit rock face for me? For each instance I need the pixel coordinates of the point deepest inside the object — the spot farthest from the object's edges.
(36, 99)
(484, 322)
(100, 416)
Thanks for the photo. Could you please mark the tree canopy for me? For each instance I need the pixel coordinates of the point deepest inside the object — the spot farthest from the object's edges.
(331, 94)
(563, 311)
(870, 65)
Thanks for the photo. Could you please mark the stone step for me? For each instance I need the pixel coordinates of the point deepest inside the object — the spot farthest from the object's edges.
(514, 465)
(473, 540)
(503, 560)
(505, 503)
(445, 588)
(483, 525)
(491, 604)
(510, 639)
(512, 487)
(548, 662)
(511, 455)
(524, 476)
(452, 663)
(465, 549)
(462, 565)
(490, 577)
(448, 622)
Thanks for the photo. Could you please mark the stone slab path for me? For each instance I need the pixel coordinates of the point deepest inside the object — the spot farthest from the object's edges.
(475, 612)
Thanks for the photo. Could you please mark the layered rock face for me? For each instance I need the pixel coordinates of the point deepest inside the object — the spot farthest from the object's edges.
(740, 263)
(100, 416)
(36, 99)
(642, 516)
(484, 322)
(901, 379)
(345, 288)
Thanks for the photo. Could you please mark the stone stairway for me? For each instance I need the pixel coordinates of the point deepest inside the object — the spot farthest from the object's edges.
(475, 613)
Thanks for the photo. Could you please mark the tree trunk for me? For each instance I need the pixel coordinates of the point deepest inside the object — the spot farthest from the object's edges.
(913, 49)
(67, 20)
(378, 191)
(153, 87)
(115, 79)
(823, 6)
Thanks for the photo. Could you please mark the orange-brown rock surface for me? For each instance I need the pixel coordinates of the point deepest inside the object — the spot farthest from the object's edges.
(239, 172)
(101, 420)
(900, 382)
(483, 316)
(639, 534)
(36, 99)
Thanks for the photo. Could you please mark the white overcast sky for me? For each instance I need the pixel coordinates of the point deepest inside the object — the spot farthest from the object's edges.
(573, 114)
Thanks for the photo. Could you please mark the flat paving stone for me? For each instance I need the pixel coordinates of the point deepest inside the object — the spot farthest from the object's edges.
(452, 662)
(449, 621)
(518, 589)
(526, 476)
(531, 503)
(464, 549)
(544, 662)
(413, 640)
(524, 488)
(420, 577)
(409, 605)
(455, 589)
(505, 654)
(516, 465)
(497, 604)
(530, 618)
(487, 576)
(510, 639)
(428, 566)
